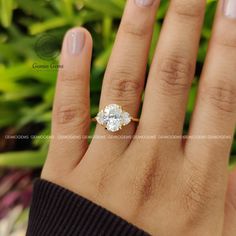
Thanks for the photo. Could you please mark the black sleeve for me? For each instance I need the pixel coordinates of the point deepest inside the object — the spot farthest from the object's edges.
(55, 211)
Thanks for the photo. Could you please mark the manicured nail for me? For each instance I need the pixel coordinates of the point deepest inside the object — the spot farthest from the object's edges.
(75, 42)
(230, 8)
(144, 3)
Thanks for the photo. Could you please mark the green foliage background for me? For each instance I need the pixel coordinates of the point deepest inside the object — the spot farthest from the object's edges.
(26, 94)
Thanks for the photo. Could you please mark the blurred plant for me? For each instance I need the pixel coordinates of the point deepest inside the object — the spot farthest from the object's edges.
(15, 195)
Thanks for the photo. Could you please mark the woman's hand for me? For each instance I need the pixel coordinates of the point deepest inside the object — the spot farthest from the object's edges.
(164, 186)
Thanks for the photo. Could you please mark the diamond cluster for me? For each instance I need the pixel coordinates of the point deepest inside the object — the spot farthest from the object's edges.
(113, 117)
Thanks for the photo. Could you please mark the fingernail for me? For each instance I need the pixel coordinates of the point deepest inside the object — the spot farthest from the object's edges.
(144, 3)
(230, 8)
(75, 42)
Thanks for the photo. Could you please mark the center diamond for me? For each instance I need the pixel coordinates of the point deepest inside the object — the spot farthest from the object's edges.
(113, 117)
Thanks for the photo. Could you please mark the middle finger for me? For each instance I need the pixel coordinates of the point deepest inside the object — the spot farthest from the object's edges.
(173, 69)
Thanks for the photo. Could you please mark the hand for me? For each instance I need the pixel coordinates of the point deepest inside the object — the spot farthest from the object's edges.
(164, 186)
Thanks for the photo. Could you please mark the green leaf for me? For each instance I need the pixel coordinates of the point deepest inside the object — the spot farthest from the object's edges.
(67, 8)
(38, 9)
(107, 28)
(8, 113)
(162, 10)
(6, 9)
(22, 159)
(232, 165)
(108, 8)
(53, 23)
(192, 97)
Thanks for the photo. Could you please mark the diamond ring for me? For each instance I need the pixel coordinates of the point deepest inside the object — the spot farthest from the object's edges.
(114, 118)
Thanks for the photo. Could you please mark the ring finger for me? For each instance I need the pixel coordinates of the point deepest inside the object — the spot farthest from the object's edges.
(124, 77)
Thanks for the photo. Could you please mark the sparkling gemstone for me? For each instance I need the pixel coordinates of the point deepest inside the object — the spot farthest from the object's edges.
(113, 118)
(100, 118)
(126, 118)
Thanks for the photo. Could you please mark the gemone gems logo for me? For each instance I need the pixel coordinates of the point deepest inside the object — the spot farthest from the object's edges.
(47, 47)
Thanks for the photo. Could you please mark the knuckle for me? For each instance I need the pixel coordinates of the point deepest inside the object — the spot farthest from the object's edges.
(123, 87)
(195, 198)
(71, 114)
(145, 186)
(104, 178)
(200, 188)
(174, 75)
(149, 179)
(66, 114)
(189, 8)
(229, 42)
(219, 36)
(135, 30)
(222, 95)
(70, 75)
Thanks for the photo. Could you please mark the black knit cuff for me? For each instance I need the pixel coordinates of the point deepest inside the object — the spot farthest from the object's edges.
(55, 211)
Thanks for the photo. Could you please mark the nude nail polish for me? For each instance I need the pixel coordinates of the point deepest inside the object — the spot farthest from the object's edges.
(75, 42)
(229, 8)
(144, 3)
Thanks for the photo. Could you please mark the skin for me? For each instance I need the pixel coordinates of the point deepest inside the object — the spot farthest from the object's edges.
(164, 186)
